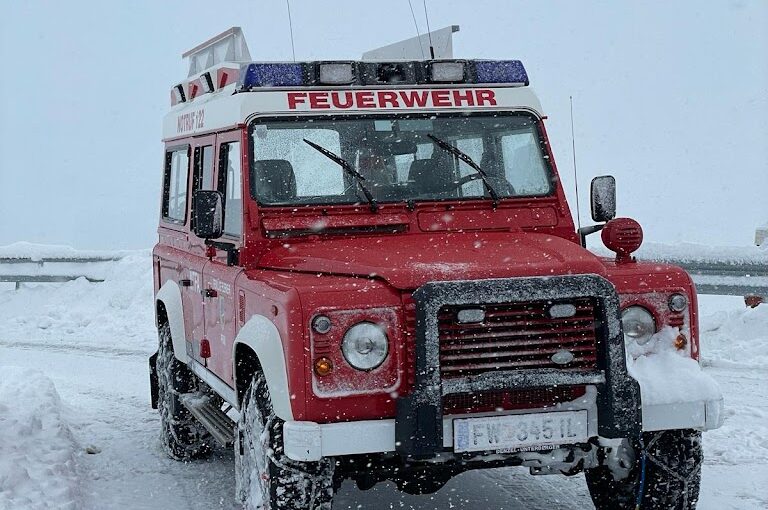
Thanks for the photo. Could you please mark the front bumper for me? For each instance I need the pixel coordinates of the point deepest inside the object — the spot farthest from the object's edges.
(309, 442)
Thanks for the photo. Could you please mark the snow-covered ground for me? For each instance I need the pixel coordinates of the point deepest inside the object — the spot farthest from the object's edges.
(76, 429)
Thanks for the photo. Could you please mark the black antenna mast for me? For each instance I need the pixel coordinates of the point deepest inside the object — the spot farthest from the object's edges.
(290, 26)
(429, 32)
(415, 24)
(575, 174)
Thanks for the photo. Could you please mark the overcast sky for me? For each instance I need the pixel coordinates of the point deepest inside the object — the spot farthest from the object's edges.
(670, 97)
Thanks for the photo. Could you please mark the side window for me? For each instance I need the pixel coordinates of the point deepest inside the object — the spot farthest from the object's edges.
(175, 185)
(230, 183)
(204, 168)
(203, 176)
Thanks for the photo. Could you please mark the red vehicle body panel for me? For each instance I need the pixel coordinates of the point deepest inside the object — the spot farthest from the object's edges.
(409, 261)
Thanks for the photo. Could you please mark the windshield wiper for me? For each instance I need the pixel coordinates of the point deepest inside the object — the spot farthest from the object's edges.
(466, 159)
(349, 169)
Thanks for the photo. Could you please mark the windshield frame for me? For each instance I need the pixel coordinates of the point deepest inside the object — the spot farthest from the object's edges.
(543, 143)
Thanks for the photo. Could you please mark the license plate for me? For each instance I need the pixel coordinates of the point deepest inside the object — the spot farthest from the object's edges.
(519, 432)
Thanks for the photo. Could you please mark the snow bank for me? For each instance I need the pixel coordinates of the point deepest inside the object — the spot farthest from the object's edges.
(24, 249)
(115, 314)
(736, 338)
(37, 451)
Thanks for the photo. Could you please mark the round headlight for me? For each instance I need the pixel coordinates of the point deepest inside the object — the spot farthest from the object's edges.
(678, 302)
(638, 324)
(365, 346)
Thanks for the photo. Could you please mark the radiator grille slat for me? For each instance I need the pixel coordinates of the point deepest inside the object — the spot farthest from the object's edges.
(512, 336)
(516, 335)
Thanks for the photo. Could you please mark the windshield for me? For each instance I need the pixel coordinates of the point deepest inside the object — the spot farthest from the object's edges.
(396, 158)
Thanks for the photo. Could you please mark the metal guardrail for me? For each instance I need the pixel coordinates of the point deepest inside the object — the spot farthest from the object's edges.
(19, 277)
(726, 277)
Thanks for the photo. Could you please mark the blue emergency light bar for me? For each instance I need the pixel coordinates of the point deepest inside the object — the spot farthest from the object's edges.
(329, 73)
(271, 75)
(500, 71)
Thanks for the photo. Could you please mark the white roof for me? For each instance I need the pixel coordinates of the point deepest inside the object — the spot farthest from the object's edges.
(224, 109)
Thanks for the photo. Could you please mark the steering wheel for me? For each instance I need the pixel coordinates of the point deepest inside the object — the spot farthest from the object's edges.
(505, 190)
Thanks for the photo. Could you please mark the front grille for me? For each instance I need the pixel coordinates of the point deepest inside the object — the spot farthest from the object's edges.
(508, 400)
(515, 336)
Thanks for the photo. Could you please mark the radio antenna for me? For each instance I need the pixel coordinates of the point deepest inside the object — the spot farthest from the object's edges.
(429, 32)
(415, 24)
(575, 173)
(290, 27)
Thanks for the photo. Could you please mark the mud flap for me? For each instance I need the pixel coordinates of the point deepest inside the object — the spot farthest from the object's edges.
(153, 388)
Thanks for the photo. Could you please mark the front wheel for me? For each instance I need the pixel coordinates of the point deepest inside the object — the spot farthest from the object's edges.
(673, 461)
(266, 478)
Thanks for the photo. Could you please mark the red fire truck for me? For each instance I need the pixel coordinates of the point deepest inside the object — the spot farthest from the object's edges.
(369, 271)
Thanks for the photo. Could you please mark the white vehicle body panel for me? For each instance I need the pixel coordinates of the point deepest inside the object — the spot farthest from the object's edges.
(304, 441)
(262, 336)
(224, 109)
(700, 414)
(309, 441)
(170, 296)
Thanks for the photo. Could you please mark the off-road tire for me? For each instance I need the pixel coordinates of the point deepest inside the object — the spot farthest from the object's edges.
(183, 437)
(266, 479)
(672, 475)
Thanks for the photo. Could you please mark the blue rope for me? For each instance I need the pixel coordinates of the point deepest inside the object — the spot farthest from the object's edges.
(641, 488)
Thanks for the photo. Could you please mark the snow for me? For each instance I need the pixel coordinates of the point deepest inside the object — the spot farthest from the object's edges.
(116, 314)
(38, 467)
(667, 375)
(736, 338)
(23, 249)
(92, 340)
(689, 252)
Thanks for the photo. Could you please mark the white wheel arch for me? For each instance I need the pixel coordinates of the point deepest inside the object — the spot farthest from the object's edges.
(259, 334)
(262, 337)
(170, 296)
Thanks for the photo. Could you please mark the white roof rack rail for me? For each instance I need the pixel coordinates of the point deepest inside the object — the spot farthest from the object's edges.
(228, 46)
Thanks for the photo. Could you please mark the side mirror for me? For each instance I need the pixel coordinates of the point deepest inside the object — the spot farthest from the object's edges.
(603, 198)
(208, 214)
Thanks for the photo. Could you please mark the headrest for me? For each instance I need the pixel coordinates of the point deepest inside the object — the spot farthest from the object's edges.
(274, 180)
(431, 177)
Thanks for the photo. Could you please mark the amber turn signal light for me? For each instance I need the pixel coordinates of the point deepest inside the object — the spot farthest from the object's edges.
(323, 366)
(681, 342)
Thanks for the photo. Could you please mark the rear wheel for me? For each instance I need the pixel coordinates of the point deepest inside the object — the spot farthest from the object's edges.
(182, 435)
(266, 478)
(672, 474)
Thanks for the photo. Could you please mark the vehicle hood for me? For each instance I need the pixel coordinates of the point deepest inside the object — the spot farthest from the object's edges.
(409, 261)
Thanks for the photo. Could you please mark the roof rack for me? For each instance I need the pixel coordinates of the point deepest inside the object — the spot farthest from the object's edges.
(417, 48)
(228, 46)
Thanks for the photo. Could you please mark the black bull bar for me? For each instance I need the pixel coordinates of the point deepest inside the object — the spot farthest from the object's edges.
(419, 422)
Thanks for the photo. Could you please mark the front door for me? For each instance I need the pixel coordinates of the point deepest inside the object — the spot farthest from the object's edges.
(221, 273)
(203, 149)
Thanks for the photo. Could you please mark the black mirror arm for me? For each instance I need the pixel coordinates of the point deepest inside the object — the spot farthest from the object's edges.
(585, 231)
(233, 252)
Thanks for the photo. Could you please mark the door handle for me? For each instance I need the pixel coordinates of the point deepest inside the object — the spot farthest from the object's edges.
(210, 293)
(185, 283)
